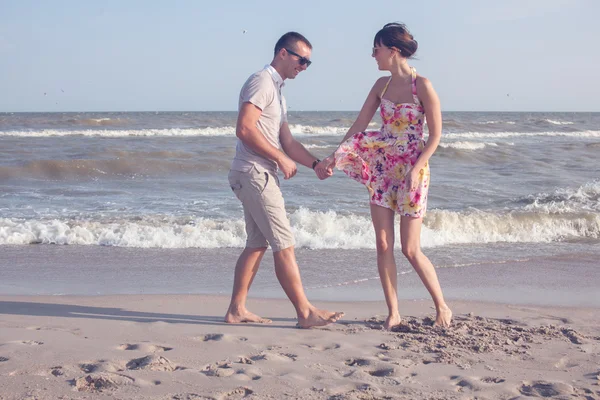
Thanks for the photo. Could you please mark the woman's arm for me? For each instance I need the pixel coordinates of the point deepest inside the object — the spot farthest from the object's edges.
(362, 121)
(368, 110)
(433, 115)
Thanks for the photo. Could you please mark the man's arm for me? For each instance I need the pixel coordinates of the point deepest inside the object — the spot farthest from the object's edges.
(293, 148)
(296, 150)
(247, 131)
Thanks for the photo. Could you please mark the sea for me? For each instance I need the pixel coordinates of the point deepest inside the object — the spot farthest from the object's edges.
(139, 202)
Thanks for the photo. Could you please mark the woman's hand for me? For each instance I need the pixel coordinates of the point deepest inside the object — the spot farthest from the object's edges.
(324, 169)
(412, 180)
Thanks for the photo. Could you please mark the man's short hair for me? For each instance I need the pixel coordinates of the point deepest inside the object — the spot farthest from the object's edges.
(289, 40)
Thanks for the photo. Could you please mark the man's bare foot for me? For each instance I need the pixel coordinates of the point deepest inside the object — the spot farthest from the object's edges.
(318, 317)
(392, 321)
(244, 316)
(443, 317)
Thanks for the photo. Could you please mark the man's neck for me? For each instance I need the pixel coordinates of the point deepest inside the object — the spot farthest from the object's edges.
(276, 67)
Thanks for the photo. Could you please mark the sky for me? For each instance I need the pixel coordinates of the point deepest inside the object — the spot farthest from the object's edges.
(178, 55)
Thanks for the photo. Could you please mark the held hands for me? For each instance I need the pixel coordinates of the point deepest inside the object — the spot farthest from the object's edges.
(324, 169)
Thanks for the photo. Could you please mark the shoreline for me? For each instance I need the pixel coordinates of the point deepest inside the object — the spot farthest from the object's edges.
(553, 275)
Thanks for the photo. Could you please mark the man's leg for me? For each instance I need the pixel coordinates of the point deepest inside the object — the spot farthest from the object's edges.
(245, 271)
(288, 275)
(249, 261)
(266, 220)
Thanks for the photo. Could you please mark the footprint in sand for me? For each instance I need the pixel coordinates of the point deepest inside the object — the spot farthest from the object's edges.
(564, 363)
(492, 379)
(221, 369)
(382, 372)
(323, 348)
(357, 362)
(237, 393)
(375, 322)
(213, 336)
(31, 342)
(101, 382)
(88, 368)
(190, 396)
(248, 374)
(281, 357)
(362, 391)
(466, 383)
(145, 347)
(217, 337)
(545, 389)
(152, 363)
(473, 383)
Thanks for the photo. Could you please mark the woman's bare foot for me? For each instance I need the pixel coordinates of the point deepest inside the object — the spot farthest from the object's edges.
(238, 316)
(392, 321)
(318, 317)
(443, 317)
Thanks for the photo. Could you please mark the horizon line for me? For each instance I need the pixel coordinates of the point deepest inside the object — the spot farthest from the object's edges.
(235, 111)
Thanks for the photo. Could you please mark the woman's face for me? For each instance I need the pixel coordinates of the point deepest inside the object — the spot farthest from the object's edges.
(383, 55)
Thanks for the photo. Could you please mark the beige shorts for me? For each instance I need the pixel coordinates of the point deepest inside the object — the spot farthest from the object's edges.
(264, 208)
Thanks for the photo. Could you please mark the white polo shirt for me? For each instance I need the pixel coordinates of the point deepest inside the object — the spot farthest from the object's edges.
(263, 89)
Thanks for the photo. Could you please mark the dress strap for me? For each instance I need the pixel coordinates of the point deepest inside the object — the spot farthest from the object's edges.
(414, 86)
(385, 88)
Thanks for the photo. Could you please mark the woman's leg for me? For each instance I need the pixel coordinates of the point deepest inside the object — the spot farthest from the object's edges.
(383, 222)
(410, 237)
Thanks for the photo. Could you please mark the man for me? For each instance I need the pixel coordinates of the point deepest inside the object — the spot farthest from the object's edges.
(263, 132)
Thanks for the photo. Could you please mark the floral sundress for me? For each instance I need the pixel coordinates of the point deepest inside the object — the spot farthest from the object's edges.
(381, 160)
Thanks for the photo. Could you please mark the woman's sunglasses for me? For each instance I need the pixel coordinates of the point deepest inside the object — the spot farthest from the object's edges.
(301, 60)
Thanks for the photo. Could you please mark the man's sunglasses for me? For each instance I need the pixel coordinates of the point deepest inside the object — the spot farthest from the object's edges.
(301, 60)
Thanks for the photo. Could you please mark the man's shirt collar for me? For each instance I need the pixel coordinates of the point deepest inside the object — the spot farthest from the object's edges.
(275, 75)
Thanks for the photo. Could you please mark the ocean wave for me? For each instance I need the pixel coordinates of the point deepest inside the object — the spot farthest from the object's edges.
(96, 121)
(312, 229)
(554, 122)
(175, 132)
(483, 135)
(296, 129)
(467, 145)
(319, 146)
(565, 200)
(317, 130)
(496, 122)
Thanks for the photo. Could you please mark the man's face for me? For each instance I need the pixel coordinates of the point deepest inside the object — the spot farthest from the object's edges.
(295, 59)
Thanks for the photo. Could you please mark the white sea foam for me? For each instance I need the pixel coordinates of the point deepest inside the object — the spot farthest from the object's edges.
(299, 130)
(319, 146)
(496, 122)
(183, 132)
(566, 200)
(467, 145)
(317, 130)
(554, 122)
(312, 229)
(483, 135)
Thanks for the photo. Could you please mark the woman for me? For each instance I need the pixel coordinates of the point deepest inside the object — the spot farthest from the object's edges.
(393, 163)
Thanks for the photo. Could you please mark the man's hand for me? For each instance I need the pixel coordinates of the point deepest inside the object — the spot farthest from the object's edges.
(287, 167)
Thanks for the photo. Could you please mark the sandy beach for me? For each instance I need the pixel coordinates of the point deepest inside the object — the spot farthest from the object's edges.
(177, 347)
